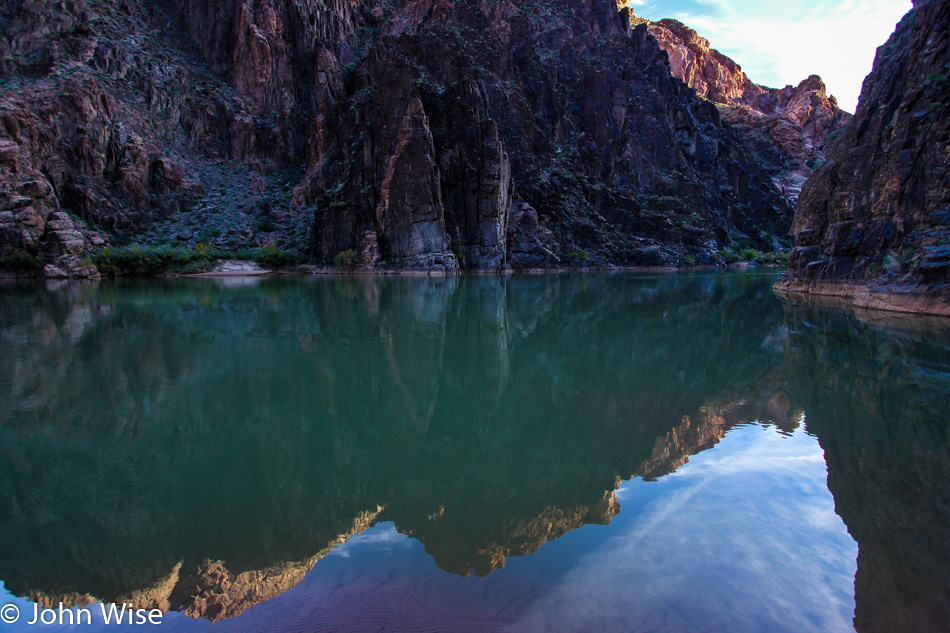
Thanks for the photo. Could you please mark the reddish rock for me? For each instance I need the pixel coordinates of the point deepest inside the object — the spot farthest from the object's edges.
(789, 127)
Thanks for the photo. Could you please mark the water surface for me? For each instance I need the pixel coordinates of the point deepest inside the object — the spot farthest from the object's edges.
(602, 452)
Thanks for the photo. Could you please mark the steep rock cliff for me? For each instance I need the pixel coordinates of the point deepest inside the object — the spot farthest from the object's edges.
(872, 225)
(788, 126)
(526, 135)
(420, 134)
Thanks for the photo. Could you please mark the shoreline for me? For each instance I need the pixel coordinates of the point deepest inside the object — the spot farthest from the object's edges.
(371, 272)
(910, 300)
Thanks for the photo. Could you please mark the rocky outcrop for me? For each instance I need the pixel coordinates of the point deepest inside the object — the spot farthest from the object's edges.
(704, 430)
(107, 117)
(82, 116)
(210, 591)
(416, 135)
(872, 225)
(214, 593)
(789, 126)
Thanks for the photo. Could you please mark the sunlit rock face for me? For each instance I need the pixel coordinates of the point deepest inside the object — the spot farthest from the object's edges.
(418, 135)
(789, 127)
(872, 224)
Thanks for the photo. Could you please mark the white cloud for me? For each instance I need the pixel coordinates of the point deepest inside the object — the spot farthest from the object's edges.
(779, 43)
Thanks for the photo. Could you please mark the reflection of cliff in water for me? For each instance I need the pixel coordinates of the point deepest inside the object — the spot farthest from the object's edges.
(152, 425)
(879, 401)
(184, 444)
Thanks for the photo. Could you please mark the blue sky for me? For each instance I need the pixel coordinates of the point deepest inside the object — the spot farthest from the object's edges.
(779, 42)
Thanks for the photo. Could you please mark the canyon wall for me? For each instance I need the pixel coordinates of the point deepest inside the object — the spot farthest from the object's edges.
(527, 135)
(872, 225)
(417, 134)
(789, 127)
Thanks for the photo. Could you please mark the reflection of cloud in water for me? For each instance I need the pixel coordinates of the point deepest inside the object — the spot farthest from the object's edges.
(744, 538)
(381, 536)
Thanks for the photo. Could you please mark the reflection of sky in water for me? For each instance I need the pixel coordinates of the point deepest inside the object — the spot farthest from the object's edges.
(742, 538)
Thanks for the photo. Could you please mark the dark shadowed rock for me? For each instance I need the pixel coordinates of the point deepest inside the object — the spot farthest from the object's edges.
(411, 133)
(563, 110)
(873, 224)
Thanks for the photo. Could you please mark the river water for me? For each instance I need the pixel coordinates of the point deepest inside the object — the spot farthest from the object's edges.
(564, 452)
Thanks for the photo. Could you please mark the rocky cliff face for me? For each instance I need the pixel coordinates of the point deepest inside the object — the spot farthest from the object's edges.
(107, 126)
(872, 225)
(420, 134)
(526, 135)
(788, 126)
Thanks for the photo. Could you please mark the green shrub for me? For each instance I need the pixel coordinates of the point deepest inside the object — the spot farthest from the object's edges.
(104, 262)
(730, 257)
(775, 258)
(264, 224)
(20, 261)
(273, 257)
(892, 263)
(204, 251)
(148, 260)
(578, 256)
(345, 259)
(742, 243)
